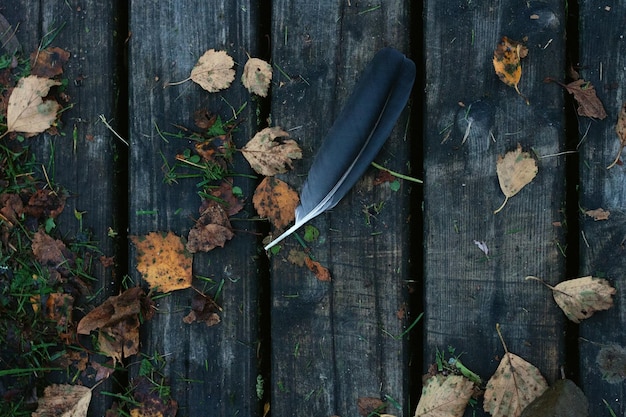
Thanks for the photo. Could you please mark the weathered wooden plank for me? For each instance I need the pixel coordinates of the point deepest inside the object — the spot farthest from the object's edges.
(602, 243)
(211, 370)
(332, 341)
(84, 159)
(466, 291)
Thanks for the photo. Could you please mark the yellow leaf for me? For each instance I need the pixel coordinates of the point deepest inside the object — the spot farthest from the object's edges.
(27, 112)
(163, 261)
(64, 401)
(270, 151)
(514, 385)
(515, 170)
(275, 200)
(214, 71)
(506, 63)
(581, 297)
(257, 75)
(444, 396)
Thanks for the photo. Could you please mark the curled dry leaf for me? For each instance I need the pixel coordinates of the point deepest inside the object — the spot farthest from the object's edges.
(270, 151)
(506, 63)
(620, 129)
(27, 112)
(444, 396)
(48, 63)
(515, 170)
(211, 230)
(257, 76)
(163, 261)
(64, 400)
(598, 214)
(321, 272)
(589, 105)
(275, 200)
(213, 71)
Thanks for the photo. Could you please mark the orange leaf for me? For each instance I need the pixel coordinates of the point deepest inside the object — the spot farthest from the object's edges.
(322, 273)
(506, 62)
(275, 200)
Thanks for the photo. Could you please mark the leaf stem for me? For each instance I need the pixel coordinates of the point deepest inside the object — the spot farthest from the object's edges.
(397, 174)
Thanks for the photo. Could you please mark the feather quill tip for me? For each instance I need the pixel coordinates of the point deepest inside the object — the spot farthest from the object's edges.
(357, 135)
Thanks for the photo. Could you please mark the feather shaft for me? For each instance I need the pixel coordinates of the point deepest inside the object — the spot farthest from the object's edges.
(357, 135)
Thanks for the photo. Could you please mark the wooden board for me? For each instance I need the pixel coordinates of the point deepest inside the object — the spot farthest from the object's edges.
(602, 243)
(333, 342)
(85, 158)
(211, 370)
(471, 117)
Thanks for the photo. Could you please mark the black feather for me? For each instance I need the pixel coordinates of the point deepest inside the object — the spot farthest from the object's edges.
(357, 135)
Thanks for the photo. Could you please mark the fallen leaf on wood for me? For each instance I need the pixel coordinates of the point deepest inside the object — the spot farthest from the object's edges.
(203, 308)
(45, 204)
(506, 63)
(620, 129)
(275, 200)
(48, 63)
(322, 273)
(257, 76)
(598, 214)
(151, 404)
(120, 340)
(368, 406)
(211, 230)
(231, 203)
(270, 151)
(514, 385)
(27, 112)
(297, 257)
(611, 360)
(581, 297)
(213, 71)
(564, 399)
(515, 170)
(163, 261)
(64, 401)
(589, 105)
(49, 251)
(113, 310)
(444, 396)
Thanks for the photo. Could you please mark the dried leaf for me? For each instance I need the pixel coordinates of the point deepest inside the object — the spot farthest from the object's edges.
(64, 401)
(149, 401)
(257, 76)
(589, 105)
(297, 257)
(120, 340)
(275, 200)
(203, 308)
(620, 129)
(270, 150)
(27, 112)
(367, 406)
(231, 203)
(49, 251)
(514, 385)
(113, 310)
(444, 396)
(321, 272)
(515, 170)
(598, 214)
(581, 297)
(211, 230)
(49, 62)
(506, 63)
(163, 261)
(611, 360)
(214, 71)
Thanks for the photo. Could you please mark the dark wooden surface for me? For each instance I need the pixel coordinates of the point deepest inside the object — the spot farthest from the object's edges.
(320, 346)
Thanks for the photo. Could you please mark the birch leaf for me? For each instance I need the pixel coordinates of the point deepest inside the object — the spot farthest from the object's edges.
(64, 401)
(257, 76)
(27, 112)
(213, 71)
(506, 63)
(515, 170)
(581, 297)
(514, 385)
(620, 129)
(270, 151)
(275, 200)
(444, 396)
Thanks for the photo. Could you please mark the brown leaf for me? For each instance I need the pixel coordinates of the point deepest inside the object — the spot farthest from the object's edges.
(598, 214)
(581, 297)
(257, 76)
(368, 406)
(120, 340)
(113, 310)
(163, 261)
(444, 396)
(514, 385)
(64, 400)
(45, 204)
(59, 308)
(27, 112)
(506, 63)
(11, 208)
(297, 257)
(270, 151)
(214, 71)
(211, 230)
(589, 105)
(275, 200)
(49, 62)
(322, 273)
(231, 203)
(620, 129)
(564, 399)
(203, 308)
(150, 402)
(48, 251)
(515, 170)
(611, 361)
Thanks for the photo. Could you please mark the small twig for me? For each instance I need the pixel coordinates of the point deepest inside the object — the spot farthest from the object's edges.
(104, 120)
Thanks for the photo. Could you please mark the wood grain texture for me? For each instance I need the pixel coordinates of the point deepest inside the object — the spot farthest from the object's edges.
(466, 293)
(332, 343)
(84, 158)
(212, 371)
(602, 243)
